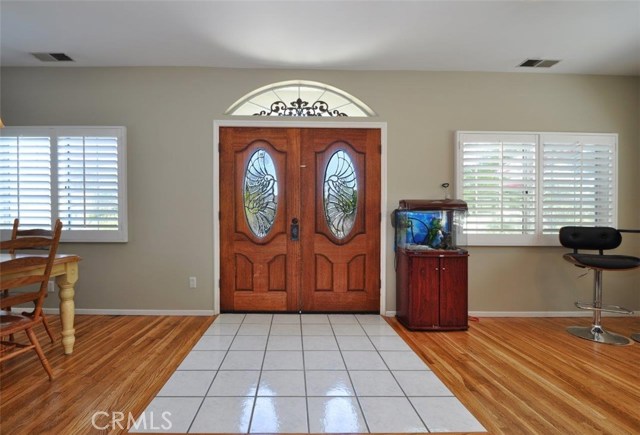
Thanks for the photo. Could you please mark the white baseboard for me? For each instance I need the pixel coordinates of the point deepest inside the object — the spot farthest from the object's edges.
(576, 313)
(109, 312)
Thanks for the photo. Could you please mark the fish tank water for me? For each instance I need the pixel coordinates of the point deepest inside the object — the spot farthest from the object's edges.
(427, 225)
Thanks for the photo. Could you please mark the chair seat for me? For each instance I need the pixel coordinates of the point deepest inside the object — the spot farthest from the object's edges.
(604, 262)
(10, 322)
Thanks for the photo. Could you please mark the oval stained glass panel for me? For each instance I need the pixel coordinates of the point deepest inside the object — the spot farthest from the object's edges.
(340, 194)
(260, 193)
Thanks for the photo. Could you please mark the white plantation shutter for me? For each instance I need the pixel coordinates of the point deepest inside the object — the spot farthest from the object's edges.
(521, 188)
(499, 183)
(25, 179)
(578, 181)
(86, 181)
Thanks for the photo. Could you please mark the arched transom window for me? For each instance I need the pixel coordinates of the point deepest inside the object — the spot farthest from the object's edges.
(299, 98)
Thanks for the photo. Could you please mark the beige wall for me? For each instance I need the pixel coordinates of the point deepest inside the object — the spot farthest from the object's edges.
(169, 115)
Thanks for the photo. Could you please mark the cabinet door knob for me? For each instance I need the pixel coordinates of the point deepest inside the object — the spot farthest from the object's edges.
(436, 268)
(443, 268)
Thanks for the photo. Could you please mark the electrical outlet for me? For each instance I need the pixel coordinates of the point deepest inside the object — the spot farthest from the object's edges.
(192, 282)
(51, 287)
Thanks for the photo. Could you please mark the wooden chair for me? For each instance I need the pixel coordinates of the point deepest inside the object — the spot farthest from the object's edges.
(42, 265)
(18, 233)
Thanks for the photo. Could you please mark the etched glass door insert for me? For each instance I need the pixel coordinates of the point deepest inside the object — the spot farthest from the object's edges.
(260, 193)
(340, 194)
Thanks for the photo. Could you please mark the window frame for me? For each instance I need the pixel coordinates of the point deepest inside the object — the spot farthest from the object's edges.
(538, 238)
(119, 235)
(248, 100)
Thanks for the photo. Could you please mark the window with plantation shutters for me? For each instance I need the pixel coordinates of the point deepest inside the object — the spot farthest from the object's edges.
(578, 174)
(499, 179)
(521, 188)
(75, 174)
(25, 179)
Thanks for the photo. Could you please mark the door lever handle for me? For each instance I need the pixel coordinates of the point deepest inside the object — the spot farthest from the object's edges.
(295, 229)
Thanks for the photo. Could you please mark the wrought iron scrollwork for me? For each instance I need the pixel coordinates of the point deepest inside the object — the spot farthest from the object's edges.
(260, 193)
(340, 194)
(300, 108)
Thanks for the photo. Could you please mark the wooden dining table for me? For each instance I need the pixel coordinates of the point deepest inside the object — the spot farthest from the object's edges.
(65, 271)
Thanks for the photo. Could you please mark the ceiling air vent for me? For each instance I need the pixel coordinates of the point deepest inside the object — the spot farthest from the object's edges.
(538, 63)
(547, 63)
(52, 57)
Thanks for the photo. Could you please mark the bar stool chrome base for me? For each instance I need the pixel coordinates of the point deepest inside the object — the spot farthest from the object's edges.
(599, 335)
(636, 337)
(596, 332)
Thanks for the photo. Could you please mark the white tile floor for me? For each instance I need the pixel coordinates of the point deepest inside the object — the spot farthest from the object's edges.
(317, 373)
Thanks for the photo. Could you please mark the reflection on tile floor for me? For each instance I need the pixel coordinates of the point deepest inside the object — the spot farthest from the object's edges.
(309, 373)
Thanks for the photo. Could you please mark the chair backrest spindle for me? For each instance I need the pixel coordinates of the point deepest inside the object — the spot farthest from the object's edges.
(17, 233)
(27, 260)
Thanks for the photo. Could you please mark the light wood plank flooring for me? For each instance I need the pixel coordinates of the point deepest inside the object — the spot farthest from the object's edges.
(524, 375)
(515, 375)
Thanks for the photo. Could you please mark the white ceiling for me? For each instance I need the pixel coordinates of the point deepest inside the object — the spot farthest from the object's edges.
(600, 37)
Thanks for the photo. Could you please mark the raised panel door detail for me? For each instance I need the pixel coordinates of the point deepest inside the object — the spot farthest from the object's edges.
(356, 268)
(244, 275)
(278, 273)
(324, 273)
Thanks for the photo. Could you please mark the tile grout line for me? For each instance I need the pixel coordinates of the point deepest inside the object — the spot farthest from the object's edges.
(285, 395)
(395, 379)
(214, 376)
(355, 393)
(264, 357)
(304, 375)
(305, 370)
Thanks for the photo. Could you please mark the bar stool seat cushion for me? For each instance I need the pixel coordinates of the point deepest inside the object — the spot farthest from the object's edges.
(603, 262)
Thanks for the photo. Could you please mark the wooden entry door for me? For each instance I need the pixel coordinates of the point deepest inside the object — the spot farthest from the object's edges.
(300, 219)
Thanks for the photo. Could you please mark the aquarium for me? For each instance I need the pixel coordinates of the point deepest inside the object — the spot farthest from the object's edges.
(423, 225)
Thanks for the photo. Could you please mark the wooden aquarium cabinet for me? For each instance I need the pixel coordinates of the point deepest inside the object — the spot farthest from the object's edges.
(431, 289)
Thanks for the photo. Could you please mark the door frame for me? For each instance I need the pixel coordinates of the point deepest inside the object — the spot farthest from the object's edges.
(217, 124)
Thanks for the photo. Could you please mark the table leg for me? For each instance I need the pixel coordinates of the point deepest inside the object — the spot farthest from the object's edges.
(67, 305)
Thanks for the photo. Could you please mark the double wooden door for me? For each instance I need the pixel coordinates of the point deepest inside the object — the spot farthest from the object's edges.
(300, 219)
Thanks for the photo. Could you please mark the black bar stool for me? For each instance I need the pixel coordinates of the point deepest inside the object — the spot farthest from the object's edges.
(635, 336)
(597, 239)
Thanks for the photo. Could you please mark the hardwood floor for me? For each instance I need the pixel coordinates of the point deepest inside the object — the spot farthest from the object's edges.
(516, 375)
(527, 375)
(119, 363)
